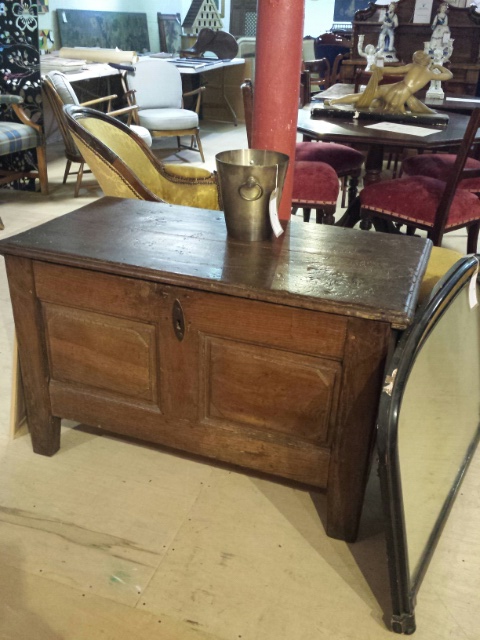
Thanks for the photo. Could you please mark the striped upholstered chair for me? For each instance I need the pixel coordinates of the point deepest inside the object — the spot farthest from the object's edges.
(21, 136)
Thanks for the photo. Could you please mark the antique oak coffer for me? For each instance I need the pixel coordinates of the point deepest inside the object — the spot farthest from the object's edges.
(143, 319)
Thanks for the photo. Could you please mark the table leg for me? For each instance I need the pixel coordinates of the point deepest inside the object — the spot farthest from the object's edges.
(44, 427)
(225, 101)
(373, 164)
(363, 367)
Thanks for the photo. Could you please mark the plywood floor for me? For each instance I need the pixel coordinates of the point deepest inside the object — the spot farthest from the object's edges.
(116, 540)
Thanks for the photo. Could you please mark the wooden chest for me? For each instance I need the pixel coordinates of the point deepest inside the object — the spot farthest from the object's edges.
(143, 319)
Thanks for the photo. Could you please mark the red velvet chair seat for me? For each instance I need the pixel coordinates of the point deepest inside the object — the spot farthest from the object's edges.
(414, 200)
(314, 184)
(439, 165)
(343, 159)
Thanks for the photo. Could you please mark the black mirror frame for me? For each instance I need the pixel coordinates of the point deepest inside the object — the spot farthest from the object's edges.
(403, 586)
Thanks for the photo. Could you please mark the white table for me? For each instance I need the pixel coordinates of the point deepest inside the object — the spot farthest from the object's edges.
(213, 66)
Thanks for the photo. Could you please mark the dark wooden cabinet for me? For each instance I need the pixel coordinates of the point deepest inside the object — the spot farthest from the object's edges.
(464, 26)
(145, 321)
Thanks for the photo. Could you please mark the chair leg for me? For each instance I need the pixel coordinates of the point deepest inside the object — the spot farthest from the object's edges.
(365, 223)
(344, 191)
(319, 215)
(352, 190)
(306, 214)
(67, 171)
(472, 238)
(42, 170)
(329, 217)
(2, 226)
(199, 145)
(79, 180)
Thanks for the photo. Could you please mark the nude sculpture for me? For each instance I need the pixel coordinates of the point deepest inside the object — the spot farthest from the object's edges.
(397, 98)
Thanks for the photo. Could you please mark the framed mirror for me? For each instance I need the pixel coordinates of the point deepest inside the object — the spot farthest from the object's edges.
(428, 430)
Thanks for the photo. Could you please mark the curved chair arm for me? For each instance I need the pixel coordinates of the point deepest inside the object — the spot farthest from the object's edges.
(131, 110)
(16, 102)
(195, 92)
(22, 116)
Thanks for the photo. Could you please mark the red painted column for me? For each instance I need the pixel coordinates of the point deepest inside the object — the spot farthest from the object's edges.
(278, 60)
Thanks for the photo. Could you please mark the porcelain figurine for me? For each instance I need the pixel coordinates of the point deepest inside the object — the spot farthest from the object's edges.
(386, 39)
(441, 31)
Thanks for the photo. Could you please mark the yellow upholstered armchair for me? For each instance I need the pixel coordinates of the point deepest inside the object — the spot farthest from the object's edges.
(126, 168)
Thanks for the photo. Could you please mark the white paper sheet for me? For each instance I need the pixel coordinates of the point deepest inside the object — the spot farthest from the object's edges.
(423, 9)
(406, 129)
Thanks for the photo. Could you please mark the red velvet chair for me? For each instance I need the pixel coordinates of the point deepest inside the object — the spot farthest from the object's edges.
(423, 202)
(439, 166)
(315, 184)
(346, 162)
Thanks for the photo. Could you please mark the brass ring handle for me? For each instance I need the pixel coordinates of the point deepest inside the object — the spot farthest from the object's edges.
(250, 190)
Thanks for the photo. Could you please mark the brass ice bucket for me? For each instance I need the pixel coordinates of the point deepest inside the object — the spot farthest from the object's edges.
(247, 178)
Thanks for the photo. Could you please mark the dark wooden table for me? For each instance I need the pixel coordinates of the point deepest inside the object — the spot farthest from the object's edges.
(142, 318)
(357, 132)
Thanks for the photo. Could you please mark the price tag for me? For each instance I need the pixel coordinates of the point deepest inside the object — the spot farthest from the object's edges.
(273, 209)
(274, 220)
(472, 290)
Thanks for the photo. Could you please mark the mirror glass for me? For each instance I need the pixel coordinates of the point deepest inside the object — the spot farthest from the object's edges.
(439, 418)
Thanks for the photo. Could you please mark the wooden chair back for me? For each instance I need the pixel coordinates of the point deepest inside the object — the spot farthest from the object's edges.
(71, 151)
(305, 88)
(320, 73)
(458, 173)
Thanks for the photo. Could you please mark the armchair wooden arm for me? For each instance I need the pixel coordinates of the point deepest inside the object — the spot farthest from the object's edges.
(117, 112)
(108, 99)
(24, 119)
(195, 92)
(131, 110)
